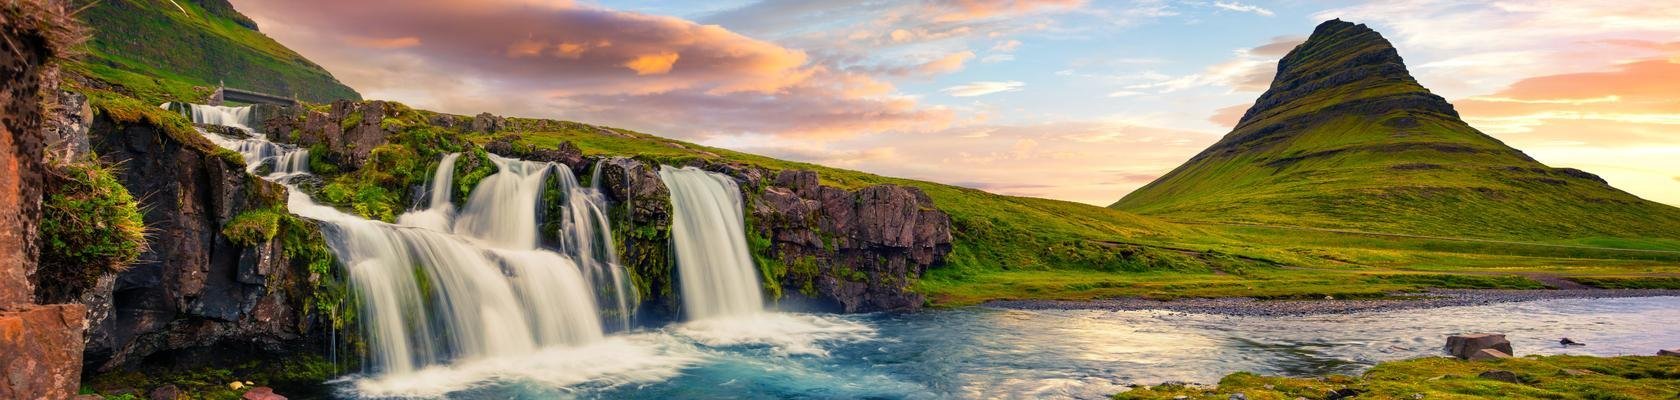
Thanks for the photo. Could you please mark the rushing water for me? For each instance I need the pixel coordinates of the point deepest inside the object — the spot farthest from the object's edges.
(469, 303)
(993, 353)
(716, 271)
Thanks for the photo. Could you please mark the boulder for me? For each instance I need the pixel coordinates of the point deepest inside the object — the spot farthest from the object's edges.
(1501, 375)
(1669, 353)
(262, 393)
(1463, 346)
(1488, 355)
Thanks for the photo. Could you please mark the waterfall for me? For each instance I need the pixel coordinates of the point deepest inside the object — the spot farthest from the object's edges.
(717, 272)
(441, 286)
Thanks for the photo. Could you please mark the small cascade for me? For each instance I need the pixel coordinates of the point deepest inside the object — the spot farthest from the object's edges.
(717, 271)
(442, 286)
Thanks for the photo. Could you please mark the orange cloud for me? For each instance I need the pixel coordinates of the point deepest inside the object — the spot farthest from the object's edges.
(652, 64)
(967, 10)
(384, 43)
(1603, 122)
(949, 63)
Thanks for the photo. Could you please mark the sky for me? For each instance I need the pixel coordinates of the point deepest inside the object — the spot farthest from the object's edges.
(1075, 100)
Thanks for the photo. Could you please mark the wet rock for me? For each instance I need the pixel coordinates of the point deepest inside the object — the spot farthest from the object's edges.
(565, 153)
(641, 214)
(165, 392)
(1669, 353)
(1238, 396)
(1501, 375)
(1488, 355)
(1465, 346)
(200, 288)
(262, 393)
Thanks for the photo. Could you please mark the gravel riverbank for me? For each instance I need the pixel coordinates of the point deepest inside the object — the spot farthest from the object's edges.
(1242, 306)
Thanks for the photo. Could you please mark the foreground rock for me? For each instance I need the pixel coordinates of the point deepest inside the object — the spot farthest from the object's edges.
(1470, 346)
(40, 345)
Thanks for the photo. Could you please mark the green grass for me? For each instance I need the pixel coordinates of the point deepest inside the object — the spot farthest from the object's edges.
(158, 52)
(1539, 377)
(1025, 248)
(1410, 170)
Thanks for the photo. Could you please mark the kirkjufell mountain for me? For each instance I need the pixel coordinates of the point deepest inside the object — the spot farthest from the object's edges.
(1346, 138)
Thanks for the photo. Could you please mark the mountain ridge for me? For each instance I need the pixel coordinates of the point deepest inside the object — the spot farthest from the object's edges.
(1346, 138)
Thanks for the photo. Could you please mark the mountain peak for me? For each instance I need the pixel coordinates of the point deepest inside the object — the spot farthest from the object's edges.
(1339, 58)
(1345, 138)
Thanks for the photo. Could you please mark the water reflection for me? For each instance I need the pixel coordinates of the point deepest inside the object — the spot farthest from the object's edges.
(994, 353)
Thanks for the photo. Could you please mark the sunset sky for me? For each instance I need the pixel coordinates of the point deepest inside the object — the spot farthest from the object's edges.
(1066, 99)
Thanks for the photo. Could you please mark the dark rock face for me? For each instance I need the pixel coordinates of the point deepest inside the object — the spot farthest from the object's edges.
(855, 251)
(349, 130)
(1466, 346)
(67, 128)
(194, 287)
(487, 123)
(641, 215)
(566, 153)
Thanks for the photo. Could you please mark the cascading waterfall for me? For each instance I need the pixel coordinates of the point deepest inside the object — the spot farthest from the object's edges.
(717, 272)
(443, 286)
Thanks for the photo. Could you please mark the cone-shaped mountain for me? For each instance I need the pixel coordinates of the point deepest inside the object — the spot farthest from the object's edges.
(1345, 138)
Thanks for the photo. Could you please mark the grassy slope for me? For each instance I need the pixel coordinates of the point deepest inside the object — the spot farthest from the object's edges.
(1548, 377)
(177, 49)
(1402, 171)
(1006, 247)
(1017, 247)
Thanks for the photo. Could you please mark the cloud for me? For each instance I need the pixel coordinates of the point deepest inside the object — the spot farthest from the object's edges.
(1249, 70)
(949, 63)
(997, 58)
(982, 88)
(968, 10)
(1246, 8)
(652, 64)
(557, 59)
(1229, 116)
(383, 43)
(1602, 121)
(1006, 46)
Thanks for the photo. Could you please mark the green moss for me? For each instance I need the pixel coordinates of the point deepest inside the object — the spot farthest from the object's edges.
(254, 227)
(90, 226)
(1541, 377)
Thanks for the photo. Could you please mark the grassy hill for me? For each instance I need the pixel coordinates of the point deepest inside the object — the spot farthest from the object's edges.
(185, 48)
(1006, 247)
(1346, 139)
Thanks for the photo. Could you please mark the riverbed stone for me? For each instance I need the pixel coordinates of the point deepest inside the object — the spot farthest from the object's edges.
(1464, 346)
(1488, 355)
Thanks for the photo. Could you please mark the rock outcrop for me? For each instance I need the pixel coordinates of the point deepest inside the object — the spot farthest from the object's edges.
(850, 250)
(349, 130)
(40, 345)
(195, 288)
(641, 215)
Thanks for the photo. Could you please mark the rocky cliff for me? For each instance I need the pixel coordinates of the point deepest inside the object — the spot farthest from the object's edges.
(820, 246)
(197, 288)
(40, 345)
